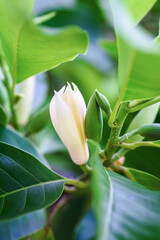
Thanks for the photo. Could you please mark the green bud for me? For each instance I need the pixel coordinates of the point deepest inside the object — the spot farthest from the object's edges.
(150, 130)
(103, 103)
(94, 120)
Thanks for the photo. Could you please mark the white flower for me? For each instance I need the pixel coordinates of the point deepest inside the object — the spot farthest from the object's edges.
(68, 110)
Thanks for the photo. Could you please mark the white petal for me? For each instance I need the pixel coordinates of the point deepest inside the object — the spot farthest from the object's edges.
(81, 106)
(61, 91)
(80, 101)
(66, 128)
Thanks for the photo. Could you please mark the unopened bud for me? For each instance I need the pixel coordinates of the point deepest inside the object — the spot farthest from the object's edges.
(67, 110)
(103, 103)
(150, 130)
(94, 120)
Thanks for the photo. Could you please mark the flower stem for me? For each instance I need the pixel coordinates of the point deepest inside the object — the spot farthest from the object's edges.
(119, 154)
(145, 104)
(128, 135)
(113, 141)
(85, 168)
(76, 183)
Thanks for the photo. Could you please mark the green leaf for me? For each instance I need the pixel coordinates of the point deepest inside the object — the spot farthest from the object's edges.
(26, 184)
(39, 120)
(138, 9)
(145, 179)
(102, 195)
(3, 117)
(22, 226)
(40, 235)
(10, 136)
(71, 213)
(123, 208)
(143, 117)
(138, 69)
(144, 159)
(26, 54)
(135, 212)
(110, 47)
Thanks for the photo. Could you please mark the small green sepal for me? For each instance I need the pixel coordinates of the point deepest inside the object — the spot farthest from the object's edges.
(94, 120)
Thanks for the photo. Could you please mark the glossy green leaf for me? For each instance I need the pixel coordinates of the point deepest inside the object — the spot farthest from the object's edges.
(136, 210)
(3, 117)
(40, 235)
(10, 136)
(27, 55)
(102, 195)
(123, 208)
(145, 179)
(22, 226)
(39, 120)
(138, 69)
(110, 47)
(145, 116)
(26, 184)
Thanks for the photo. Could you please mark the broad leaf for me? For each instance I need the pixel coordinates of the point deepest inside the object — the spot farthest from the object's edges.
(40, 235)
(23, 43)
(145, 116)
(136, 211)
(144, 178)
(138, 9)
(138, 70)
(22, 226)
(133, 212)
(10, 136)
(26, 184)
(102, 195)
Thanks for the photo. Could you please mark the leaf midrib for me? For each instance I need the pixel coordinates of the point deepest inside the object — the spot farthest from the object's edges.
(31, 186)
(15, 53)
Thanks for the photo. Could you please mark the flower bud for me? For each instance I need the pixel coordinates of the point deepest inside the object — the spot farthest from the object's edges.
(103, 103)
(150, 130)
(94, 120)
(67, 111)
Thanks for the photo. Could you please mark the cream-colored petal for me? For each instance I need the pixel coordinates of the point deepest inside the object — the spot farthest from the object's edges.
(80, 101)
(61, 91)
(65, 126)
(72, 104)
(82, 108)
